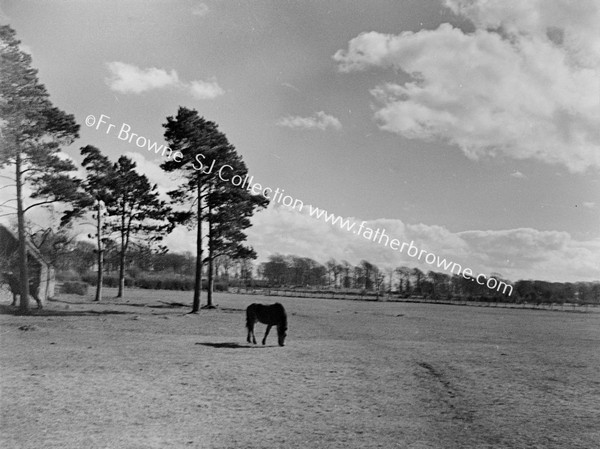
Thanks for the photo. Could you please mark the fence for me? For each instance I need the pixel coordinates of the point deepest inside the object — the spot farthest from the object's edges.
(372, 296)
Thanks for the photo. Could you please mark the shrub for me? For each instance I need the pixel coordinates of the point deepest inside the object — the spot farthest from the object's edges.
(154, 281)
(68, 275)
(77, 288)
(110, 280)
(167, 281)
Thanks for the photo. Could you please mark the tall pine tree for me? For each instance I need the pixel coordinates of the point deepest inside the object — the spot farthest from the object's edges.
(139, 212)
(98, 185)
(229, 209)
(31, 133)
(210, 200)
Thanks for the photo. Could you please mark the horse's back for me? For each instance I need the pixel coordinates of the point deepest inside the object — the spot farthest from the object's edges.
(267, 314)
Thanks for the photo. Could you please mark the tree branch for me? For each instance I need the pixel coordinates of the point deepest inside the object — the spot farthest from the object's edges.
(39, 204)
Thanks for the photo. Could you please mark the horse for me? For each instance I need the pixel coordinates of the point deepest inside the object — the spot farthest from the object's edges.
(14, 284)
(271, 315)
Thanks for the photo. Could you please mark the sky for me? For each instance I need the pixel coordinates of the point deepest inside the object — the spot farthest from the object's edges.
(470, 127)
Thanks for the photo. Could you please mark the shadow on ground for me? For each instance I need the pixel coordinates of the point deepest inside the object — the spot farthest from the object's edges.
(12, 310)
(230, 345)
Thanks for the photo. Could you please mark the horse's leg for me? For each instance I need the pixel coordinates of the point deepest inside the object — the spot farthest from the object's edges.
(250, 329)
(251, 338)
(267, 333)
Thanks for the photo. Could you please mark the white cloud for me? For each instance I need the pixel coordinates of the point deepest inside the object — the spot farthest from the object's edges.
(200, 9)
(517, 174)
(319, 120)
(521, 253)
(26, 49)
(524, 84)
(589, 204)
(128, 78)
(151, 168)
(206, 90)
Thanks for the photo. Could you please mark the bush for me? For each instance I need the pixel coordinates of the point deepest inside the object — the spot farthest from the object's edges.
(69, 275)
(110, 280)
(165, 282)
(154, 281)
(220, 287)
(77, 288)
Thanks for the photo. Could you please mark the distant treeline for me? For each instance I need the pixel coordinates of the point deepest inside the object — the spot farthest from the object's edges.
(301, 272)
(174, 271)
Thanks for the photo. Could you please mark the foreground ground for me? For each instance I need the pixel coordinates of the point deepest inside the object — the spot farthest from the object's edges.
(140, 373)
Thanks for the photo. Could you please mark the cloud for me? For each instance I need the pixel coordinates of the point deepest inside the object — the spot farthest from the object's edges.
(524, 84)
(319, 120)
(200, 9)
(518, 174)
(521, 253)
(290, 86)
(589, 204)
(205, 90)
(127, 78)
(151, 168)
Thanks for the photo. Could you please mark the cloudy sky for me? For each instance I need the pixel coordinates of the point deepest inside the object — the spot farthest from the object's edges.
(469, 126)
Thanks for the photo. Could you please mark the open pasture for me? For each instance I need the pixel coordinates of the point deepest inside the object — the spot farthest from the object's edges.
(139, 373)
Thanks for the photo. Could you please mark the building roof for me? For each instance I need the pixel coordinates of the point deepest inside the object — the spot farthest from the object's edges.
(31, 249)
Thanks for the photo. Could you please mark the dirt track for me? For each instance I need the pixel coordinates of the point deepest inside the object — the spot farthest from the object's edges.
(140, 373)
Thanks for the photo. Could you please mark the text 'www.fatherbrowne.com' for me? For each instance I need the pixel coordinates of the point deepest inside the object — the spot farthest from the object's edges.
(381, 237)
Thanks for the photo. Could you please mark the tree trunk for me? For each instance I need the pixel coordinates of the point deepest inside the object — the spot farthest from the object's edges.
(23, 274)
(211, 277)
(100, 255)
(211, 283)
(121, 273)
(198, 280)
(122, 256)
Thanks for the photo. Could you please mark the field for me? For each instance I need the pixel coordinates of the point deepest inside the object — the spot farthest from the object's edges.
(140, 373)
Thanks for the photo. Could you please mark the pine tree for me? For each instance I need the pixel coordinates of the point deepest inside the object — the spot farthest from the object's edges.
(98, 182)
(229, 210)
(140, 213)
(223, 208)
(31, 133)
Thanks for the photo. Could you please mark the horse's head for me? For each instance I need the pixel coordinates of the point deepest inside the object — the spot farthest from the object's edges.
(282, 332)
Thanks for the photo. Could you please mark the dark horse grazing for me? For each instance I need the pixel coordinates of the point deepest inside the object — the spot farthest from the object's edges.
(271, 315)
(14, 284)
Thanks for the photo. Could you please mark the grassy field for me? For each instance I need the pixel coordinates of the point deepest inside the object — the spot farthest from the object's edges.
(139, 372)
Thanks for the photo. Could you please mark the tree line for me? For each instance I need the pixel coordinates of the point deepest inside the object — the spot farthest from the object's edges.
(291, 271)
(288, 272)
